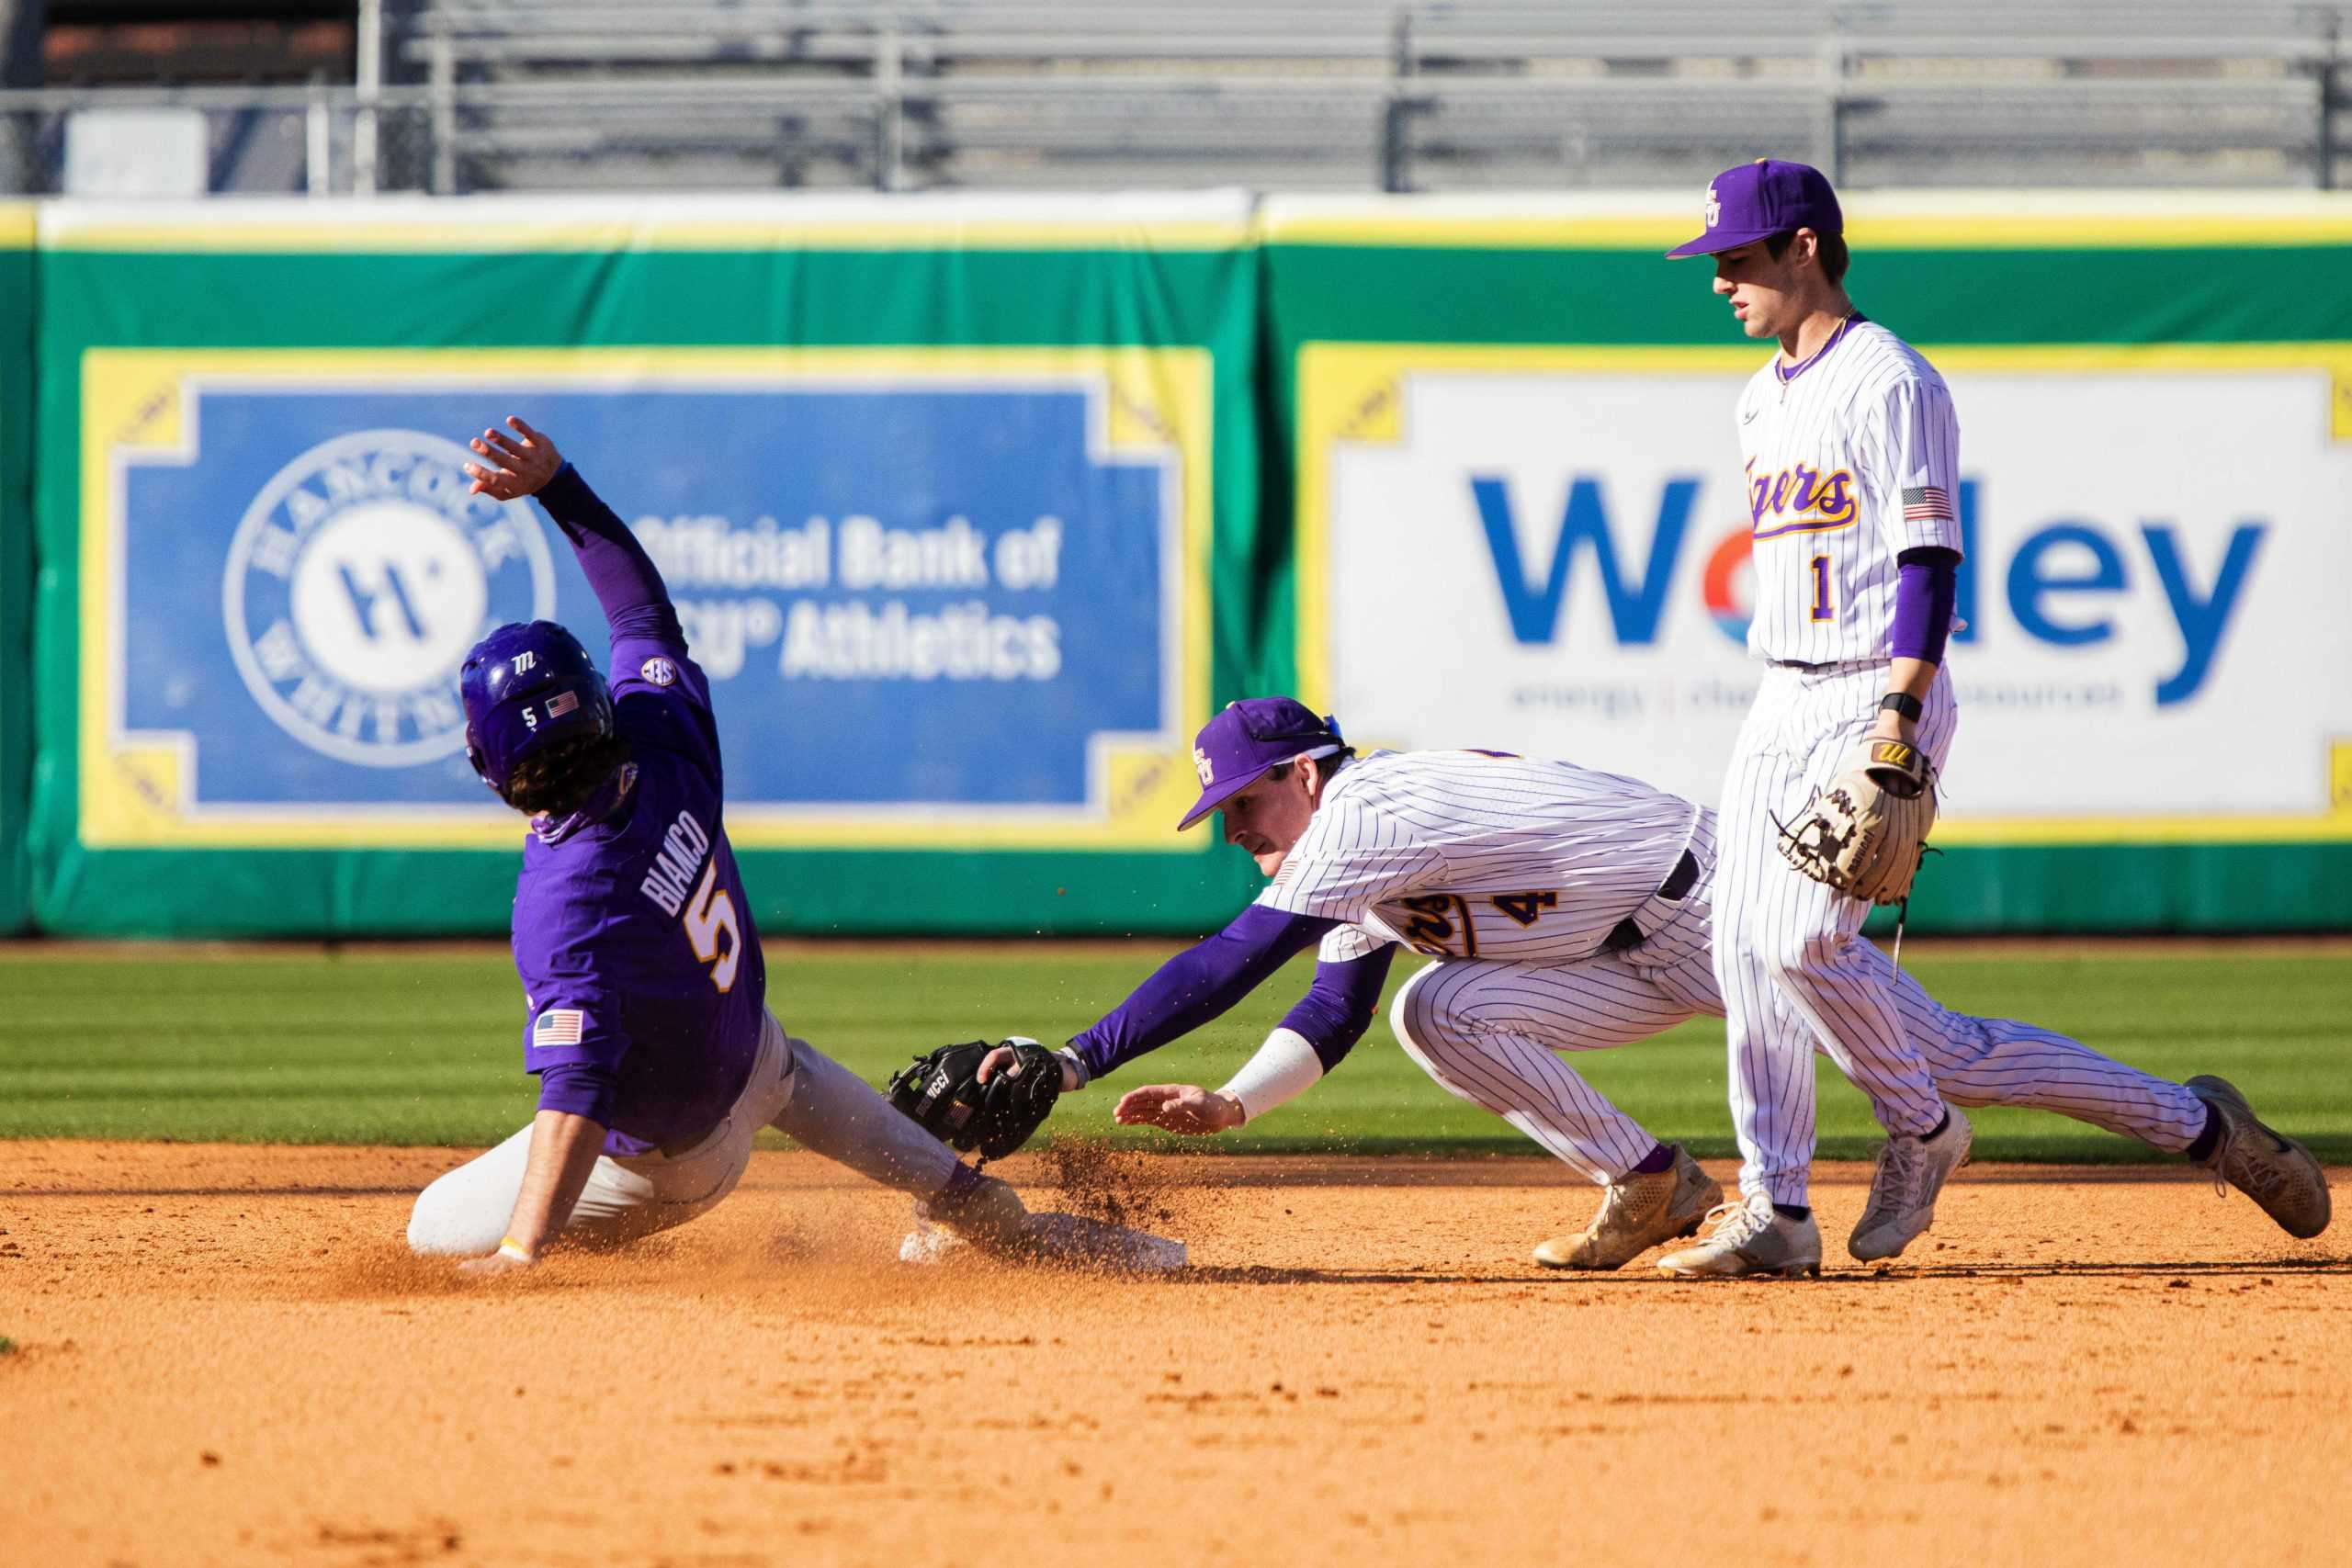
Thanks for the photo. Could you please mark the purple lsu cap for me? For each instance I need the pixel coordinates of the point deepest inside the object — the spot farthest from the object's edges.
(1755, 201)
(1234, 749)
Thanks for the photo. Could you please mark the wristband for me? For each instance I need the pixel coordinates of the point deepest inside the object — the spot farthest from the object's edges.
(1284, 1067)
(510, 1248)
(1903, 704)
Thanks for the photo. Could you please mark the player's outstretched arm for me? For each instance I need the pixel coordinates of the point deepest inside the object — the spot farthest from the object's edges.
(565, 1147)
(1196, 985)
(628, 584)
(1310, 1041)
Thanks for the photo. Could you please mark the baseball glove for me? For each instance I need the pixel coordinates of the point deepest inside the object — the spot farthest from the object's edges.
(942, 1091)
(1866, 833)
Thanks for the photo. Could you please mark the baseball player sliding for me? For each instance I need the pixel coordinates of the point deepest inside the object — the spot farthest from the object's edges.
(1851, 454)
(1568, 910)
(648, 1028)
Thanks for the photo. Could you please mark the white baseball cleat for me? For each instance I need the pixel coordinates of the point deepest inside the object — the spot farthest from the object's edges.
(1751, 1239)
(1637, 1213)
(2262, 1163)
(1911, 1172)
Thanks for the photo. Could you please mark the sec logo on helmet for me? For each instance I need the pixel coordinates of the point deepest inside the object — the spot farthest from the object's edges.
(356, 582)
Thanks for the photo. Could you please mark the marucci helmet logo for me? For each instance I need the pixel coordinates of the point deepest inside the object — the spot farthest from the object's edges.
(355, 583)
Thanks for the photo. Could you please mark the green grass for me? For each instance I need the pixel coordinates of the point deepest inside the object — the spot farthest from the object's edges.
(382, 1045)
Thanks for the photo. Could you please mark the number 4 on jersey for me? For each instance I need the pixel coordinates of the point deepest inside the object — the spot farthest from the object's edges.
(1524, 908)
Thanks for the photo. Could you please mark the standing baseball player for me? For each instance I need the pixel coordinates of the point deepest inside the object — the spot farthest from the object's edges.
(649, 1029)
(1567, 909)
(1850, 449)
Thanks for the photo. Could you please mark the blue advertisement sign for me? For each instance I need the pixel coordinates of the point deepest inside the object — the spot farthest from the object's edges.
(938, 602)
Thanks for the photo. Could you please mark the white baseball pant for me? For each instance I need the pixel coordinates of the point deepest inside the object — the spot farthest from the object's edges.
(793, 1087)
(1790, 959)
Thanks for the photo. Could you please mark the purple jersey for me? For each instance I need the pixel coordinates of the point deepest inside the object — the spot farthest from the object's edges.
(632, 934)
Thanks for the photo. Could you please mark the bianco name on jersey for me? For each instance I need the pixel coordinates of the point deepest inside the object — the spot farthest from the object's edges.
(1849, 463)
(1476, 854)
(671, 877)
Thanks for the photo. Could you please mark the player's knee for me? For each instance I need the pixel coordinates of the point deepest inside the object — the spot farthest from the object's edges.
(1797, 958)
(1416, 1014)
(1427, 1031)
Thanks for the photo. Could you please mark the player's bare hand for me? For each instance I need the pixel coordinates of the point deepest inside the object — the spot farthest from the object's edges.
(1179, 1108)
(514, 466)
(1004, 1059)
(1893, 725)
(492, 1266)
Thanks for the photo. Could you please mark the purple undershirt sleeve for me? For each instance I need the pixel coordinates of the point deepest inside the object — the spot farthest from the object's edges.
(583, 1088)
(1338, 1007)
(1924, 596)
(626, 582)
(1197, 985)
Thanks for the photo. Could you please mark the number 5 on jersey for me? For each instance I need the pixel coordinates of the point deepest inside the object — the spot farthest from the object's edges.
(710, 914)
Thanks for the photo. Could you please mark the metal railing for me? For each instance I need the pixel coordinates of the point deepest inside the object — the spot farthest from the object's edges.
(1422, 100)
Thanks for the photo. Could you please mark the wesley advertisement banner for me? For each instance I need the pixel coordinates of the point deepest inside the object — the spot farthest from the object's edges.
(1569, 525)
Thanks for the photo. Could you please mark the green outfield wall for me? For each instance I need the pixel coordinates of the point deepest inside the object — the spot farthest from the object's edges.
(17, 685)
(1520, 410)
(952, 498)
(976, 509)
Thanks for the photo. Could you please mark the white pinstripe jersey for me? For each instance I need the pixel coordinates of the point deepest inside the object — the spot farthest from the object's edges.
(1849, 461)
(1476, 854)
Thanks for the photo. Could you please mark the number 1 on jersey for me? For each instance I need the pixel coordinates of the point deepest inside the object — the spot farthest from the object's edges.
(1821, 607)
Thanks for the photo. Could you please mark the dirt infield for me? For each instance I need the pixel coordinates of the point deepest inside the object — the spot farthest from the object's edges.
(223, 1354)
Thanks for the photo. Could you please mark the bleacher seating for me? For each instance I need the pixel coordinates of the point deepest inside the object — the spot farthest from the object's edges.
(1337, 95)
(1357, 94)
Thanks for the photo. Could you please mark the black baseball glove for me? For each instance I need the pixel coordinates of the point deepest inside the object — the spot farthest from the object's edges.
(942, 1091)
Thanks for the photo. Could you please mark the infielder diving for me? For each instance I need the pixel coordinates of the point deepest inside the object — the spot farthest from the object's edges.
(648, 1023)
(1567, 909)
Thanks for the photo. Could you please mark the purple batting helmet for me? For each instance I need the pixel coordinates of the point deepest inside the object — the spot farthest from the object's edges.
(526, 688)
(1234, 749)
(1755, 201)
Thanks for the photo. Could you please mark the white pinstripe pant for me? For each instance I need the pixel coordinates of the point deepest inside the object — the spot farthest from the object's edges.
(1789, 955)
(1491, 1033)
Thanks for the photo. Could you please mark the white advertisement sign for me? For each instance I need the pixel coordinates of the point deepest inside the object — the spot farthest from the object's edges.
(1544, 550)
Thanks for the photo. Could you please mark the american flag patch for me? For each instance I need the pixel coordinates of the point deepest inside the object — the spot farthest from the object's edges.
(564, 702)
(558, 1026)
(1929, 504)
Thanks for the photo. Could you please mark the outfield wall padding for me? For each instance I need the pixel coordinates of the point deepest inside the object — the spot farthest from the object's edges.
(1520, 519)
(18, 686)
(948, 493)
(976, 508)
